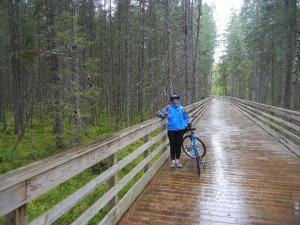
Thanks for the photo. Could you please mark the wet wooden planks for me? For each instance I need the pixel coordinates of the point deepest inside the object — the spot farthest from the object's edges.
(250, 179)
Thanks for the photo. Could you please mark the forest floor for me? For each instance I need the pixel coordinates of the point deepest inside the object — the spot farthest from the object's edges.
(38, 142)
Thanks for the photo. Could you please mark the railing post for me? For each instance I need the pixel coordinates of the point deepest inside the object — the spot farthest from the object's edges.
(112, 160)
(165, 137)
(147, 152)
(17, 217)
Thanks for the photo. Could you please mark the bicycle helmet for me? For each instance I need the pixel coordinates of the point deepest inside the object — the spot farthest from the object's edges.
(174, 95)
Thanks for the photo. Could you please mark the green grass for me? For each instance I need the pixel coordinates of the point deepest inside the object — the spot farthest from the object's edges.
(35, 144)
(54, 196)
(38, 142)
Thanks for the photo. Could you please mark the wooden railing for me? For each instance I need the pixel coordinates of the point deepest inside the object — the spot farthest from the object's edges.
(283, 124)
(21, 186)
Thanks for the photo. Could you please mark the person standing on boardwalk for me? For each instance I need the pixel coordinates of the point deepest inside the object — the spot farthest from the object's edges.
(178, 120)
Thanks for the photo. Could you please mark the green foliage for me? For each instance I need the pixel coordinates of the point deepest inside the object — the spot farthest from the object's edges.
(252, 66)
(208, 43)
(38, 142)
(218, 91)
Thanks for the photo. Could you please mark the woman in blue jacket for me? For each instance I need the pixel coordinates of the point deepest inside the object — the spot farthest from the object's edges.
(177, 123)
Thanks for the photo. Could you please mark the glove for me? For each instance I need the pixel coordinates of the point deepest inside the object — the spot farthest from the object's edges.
(163, 116)
(185, 130)
(189, 126)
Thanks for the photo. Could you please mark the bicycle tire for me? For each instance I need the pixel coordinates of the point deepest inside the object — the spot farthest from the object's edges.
(198, 164)
(187, 144)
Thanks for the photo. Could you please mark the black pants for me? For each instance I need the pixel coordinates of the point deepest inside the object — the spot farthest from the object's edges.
(175, 138)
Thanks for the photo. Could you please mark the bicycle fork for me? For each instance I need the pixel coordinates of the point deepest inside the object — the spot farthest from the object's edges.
(196, 148)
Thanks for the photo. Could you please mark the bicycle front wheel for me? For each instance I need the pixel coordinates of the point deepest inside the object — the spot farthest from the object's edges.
(187, 146)
(198, 163)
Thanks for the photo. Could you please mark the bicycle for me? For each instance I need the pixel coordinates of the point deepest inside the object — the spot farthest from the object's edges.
(194, 147)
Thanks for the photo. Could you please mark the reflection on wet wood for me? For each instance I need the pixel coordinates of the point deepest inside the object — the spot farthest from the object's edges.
(250, 179)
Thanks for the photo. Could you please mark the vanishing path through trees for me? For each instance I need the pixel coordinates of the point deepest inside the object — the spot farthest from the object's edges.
(250, 179)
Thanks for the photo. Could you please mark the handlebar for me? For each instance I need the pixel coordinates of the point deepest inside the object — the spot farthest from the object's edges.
(191, 128)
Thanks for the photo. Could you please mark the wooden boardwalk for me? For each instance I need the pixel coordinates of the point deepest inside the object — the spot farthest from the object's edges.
(250, 179)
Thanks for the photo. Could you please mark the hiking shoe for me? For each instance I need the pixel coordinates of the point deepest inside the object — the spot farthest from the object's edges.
(173, 164)
(178, 165)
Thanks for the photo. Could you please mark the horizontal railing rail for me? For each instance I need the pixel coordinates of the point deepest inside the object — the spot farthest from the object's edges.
(283, 124)
(23, 185)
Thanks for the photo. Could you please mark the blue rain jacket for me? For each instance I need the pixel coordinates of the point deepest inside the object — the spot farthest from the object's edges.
(177, 118)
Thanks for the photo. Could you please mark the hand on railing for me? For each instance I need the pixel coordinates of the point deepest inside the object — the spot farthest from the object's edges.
(163, 116)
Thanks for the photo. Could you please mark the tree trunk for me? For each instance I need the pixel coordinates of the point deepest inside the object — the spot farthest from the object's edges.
(255, 78)
(89, 112)
(233, 85)
(3, 97)
(295, 86)
(169, 75)
(187, 52)
(114, 89)
(16, 66)
(286, 78)
(150, 70)
(75, 70)
(295, 74)
(128, 64)
(195, 59)
(272, 61)
(56, 74)
(225, 82)
(120, 66)
(141, 62)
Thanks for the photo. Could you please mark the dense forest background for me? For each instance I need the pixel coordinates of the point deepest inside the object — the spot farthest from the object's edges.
(261, 61)
(72, 71)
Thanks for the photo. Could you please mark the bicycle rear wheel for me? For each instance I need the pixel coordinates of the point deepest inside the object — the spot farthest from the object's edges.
(187, 146)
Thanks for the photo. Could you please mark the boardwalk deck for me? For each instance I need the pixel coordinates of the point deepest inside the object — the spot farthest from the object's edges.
(250, 179)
